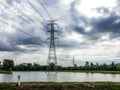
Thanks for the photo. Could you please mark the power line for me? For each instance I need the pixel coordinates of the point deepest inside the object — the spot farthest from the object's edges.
(65, 43)
(27, 33)
(45, 9)
(37, 12)
(26, 17)
(23, 19)
(29, 18)
(23, 31)
(27, 21)
(62, 43)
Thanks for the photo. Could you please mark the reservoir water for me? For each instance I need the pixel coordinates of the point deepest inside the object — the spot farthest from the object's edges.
(59, 77)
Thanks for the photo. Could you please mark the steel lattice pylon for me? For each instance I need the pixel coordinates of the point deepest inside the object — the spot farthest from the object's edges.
(52, 58)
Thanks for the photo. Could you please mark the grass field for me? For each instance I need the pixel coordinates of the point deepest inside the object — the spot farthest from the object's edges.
(62, 86)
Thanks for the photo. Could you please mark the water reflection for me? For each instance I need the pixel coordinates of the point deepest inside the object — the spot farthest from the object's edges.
(87, 76)
(51, 76)
(59, 77)
(7, 78)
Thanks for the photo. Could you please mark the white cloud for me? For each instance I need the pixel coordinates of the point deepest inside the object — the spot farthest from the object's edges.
(87, 7)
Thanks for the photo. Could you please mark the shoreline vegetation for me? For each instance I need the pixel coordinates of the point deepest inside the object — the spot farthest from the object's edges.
(92, 71)
(5, 72)
(81, 71)
(75, 68)
(61, 86)
(7, 67)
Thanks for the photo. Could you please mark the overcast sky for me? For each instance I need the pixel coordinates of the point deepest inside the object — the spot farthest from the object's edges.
(89, 30)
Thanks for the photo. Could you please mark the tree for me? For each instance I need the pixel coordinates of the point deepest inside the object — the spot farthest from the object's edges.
(87, 65)
(118, 66)
(92, 66)
(113, 66)
(52, 66)
(8, 64)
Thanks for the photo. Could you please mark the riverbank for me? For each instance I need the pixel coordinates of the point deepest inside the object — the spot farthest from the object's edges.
(62, 86)
(84, 71)
(87, 71)
(5, 72)
(92, 71)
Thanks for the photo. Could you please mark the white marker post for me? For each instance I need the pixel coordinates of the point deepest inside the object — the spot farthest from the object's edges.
(18, 80)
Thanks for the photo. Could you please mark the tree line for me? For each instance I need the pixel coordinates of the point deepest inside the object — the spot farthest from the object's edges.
(9, 65)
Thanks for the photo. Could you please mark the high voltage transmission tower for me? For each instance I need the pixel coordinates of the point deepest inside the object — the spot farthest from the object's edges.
(52, 58)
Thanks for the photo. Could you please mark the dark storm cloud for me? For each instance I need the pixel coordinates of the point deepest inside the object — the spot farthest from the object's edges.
(99, 25)
(108, 24)
(4, 47)
(22, 36)
(77, 18)
(79, 29)
(31, 40)
(73, 12)
(10, 42)
(8, 46)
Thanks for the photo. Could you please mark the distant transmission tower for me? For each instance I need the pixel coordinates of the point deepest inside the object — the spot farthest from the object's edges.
(74, 63)
(52, 58)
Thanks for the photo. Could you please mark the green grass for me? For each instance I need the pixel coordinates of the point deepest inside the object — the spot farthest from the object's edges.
(5, 72)
(62, 86)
